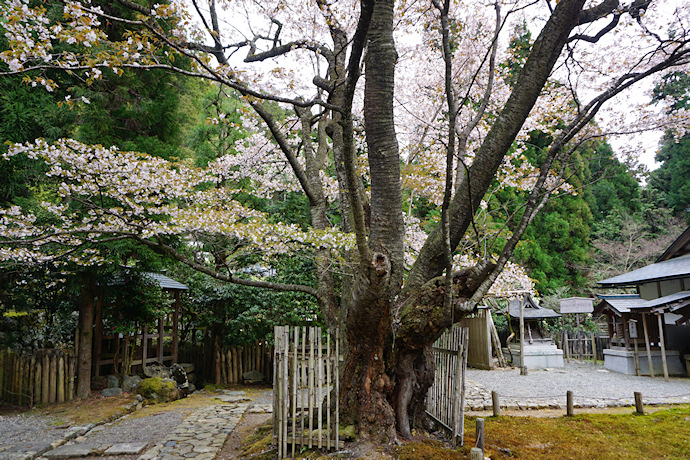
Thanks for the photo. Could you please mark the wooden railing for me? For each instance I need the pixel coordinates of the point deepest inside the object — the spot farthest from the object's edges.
(45, 376)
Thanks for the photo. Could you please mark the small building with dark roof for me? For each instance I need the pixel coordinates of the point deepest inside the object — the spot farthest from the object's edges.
(655, 319)
(539, 347)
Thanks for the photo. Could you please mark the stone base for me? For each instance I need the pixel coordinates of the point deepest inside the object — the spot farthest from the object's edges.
(619, 359)
(541, 356)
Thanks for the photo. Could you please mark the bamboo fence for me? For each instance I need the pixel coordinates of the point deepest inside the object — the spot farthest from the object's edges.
(445, 402)
(305, 374)
(234, 362)
(45, 376)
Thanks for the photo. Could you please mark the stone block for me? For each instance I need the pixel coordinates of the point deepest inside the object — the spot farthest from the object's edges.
(69, 451)
(112, 381)
(127, 448)
(111, 392)
(130, 382)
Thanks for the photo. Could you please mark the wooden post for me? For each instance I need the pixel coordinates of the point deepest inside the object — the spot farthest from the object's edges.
(52, 390)
(295, 347)
(570, 404)
(223, 368)
(637, 358)
(476, 454)
(161, 334)
(70, 376)
(61, 379)
(480, 434)
(566, 349)
(522, 336)
(639, 408)
(594, 349)
(646, 342)
(660, 320)
(45, 380)
(176, 326)
(37, 382)
(496, 404)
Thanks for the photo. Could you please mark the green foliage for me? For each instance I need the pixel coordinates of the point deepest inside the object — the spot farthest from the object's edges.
(670, 181)
(675, 87)
(242, 314)
(131, 298)
(518, 50)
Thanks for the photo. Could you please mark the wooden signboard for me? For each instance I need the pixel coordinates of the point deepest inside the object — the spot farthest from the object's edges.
(577, 305)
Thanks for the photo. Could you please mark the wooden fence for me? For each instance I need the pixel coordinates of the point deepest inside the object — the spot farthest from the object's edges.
(445, 402)
(582, 345)
(306, 372)
(233, 363)
(45, 376)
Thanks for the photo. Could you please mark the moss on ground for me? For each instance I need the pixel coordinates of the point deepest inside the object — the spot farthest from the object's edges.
(155, 389)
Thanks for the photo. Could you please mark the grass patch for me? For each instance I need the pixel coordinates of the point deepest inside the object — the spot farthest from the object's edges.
(661, 434)
(258, 444)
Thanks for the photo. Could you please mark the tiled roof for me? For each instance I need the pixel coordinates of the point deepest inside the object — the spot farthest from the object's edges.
(678, 267)
(626, 303)
(620, 303)
(530, 311)
(167, 283)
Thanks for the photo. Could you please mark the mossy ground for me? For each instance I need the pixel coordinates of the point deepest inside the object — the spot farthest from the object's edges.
(664, 433)
(80, 411)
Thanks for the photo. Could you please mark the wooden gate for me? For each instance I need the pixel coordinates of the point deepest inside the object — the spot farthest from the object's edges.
(445, 401)
(304, 375)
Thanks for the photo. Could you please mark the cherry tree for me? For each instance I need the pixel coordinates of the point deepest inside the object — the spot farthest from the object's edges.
(386, 103)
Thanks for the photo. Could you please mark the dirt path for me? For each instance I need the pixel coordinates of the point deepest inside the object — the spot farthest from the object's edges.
(247, 426)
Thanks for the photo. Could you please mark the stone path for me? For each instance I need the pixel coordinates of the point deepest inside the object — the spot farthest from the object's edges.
(201, 435)
(165, 435)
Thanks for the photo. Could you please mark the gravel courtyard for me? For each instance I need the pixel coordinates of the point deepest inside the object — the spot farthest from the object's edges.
(591, 384)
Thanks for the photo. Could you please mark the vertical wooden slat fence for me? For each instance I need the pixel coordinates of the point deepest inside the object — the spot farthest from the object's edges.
(45, 376)
(234, 362)
(446, 397)
(579, 345)
(305, 373)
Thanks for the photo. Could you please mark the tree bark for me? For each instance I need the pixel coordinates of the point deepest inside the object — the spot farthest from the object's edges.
(86, 310)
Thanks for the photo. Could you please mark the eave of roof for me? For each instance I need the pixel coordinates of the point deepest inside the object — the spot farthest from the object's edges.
(678, 267)
(633, 303)
(619, 303)
(167, 283)
(678, 248)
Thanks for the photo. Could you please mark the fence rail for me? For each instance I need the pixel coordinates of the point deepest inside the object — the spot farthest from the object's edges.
(306, 371)
(446, 397)
(45, 376)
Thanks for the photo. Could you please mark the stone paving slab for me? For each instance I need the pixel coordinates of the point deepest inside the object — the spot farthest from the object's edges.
(128, 448)
(68, 451)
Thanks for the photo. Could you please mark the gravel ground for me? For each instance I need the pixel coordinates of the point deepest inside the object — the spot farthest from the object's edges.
(28, 431)
(133, 429)
(585, 380)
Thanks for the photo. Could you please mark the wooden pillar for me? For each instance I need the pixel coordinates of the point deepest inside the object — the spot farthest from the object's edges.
(175, 326)
(144, 345)
(660, 320)
(646, 342)
(161, 334)
(522, 334)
